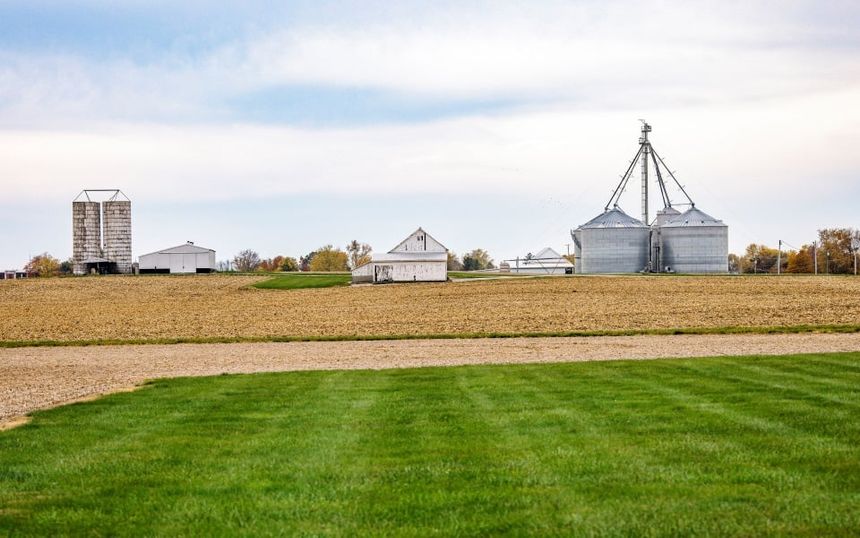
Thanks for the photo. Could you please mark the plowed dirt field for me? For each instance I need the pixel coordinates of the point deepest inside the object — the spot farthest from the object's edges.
(221, 306)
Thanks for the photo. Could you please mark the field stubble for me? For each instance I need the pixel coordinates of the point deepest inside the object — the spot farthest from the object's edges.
(216, 306)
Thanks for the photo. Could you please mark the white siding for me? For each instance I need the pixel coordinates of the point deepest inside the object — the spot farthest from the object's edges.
(419, 271)
(419, 241)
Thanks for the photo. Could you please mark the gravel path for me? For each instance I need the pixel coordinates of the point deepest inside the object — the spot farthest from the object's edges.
(43, 377)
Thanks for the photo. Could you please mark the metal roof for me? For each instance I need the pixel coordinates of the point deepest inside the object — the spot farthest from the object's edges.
(411, 256)
(693, 217)
(613, 218)
(187, 248)
(665, 215)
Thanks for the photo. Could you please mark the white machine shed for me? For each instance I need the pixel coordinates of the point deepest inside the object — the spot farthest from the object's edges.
(545, 262)
(187, 258)
(418, 258)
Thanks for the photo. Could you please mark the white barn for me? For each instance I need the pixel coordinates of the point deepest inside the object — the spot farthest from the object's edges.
(418, 258)
(187, 258)
(545, 262)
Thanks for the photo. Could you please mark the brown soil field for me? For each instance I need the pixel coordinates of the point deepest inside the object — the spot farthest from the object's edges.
(224, 306)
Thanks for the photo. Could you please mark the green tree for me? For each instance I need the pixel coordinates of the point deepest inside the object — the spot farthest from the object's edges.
(328, 259)
(759, 259)
(67, 267)
(43, 265)
(289, 264)
(477, 260)
(305, 261)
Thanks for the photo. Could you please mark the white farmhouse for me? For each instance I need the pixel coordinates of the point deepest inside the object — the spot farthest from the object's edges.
(187, 258)
(418, 258)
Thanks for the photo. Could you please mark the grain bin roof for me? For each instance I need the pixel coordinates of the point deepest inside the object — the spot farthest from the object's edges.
(613, 218)
(693, 217)
(665, 215)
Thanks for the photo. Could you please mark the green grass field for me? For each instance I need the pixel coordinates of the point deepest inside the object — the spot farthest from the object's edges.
(477, 274)
(294, 281)
(723, 446)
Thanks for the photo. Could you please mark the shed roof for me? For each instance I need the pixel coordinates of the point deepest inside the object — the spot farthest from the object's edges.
(187, 248)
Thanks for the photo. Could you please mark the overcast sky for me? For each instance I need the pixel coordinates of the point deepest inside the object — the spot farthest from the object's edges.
(283, 126)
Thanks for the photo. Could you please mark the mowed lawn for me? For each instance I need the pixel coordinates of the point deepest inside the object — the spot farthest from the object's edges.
(723, 446)
(295, 281)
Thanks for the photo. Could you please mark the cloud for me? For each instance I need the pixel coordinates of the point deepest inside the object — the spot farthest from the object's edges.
(593, 55)
(734, 149)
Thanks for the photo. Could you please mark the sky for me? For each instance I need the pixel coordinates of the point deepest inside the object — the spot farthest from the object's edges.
(285, 126)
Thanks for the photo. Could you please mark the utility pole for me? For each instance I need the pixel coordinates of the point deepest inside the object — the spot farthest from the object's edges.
(779, 259)
(855, 244)
(815, 255)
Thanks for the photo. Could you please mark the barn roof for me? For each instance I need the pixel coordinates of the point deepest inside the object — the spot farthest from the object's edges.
(425, 234)
(411, 256)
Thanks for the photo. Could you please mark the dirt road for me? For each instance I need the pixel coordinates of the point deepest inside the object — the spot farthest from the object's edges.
(39, 378)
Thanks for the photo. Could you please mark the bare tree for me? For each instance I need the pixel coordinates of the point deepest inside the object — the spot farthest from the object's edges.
(246, 261)
(359, 253)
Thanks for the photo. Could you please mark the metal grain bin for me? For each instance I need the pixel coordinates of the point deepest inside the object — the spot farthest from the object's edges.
(613, 242)
(86, 234)
(576, 235)
(663, 216)
(695, 242)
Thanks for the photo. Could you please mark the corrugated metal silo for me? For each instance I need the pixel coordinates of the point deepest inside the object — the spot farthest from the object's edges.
(117, 233)
(695, 242)
(576, 235)
(86, 234)
(613, 242)
(663, 216)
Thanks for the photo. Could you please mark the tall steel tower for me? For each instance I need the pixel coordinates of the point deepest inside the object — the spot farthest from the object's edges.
(646, 150)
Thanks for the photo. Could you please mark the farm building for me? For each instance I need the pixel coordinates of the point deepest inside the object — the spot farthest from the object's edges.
(418, 258)
(615, 242)
(101, 232)
(11, 274)
(545, 262)
(187, 258)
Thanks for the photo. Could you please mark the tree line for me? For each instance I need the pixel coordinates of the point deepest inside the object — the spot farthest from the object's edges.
(330, 259)
(834, 252)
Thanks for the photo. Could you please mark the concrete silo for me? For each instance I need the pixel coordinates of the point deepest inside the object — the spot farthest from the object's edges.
(612, 242)
(101, 232)
(117, 233)
(86, 234)
(694, 242)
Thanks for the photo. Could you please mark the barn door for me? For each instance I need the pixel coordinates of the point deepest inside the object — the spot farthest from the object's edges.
(383, 273)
